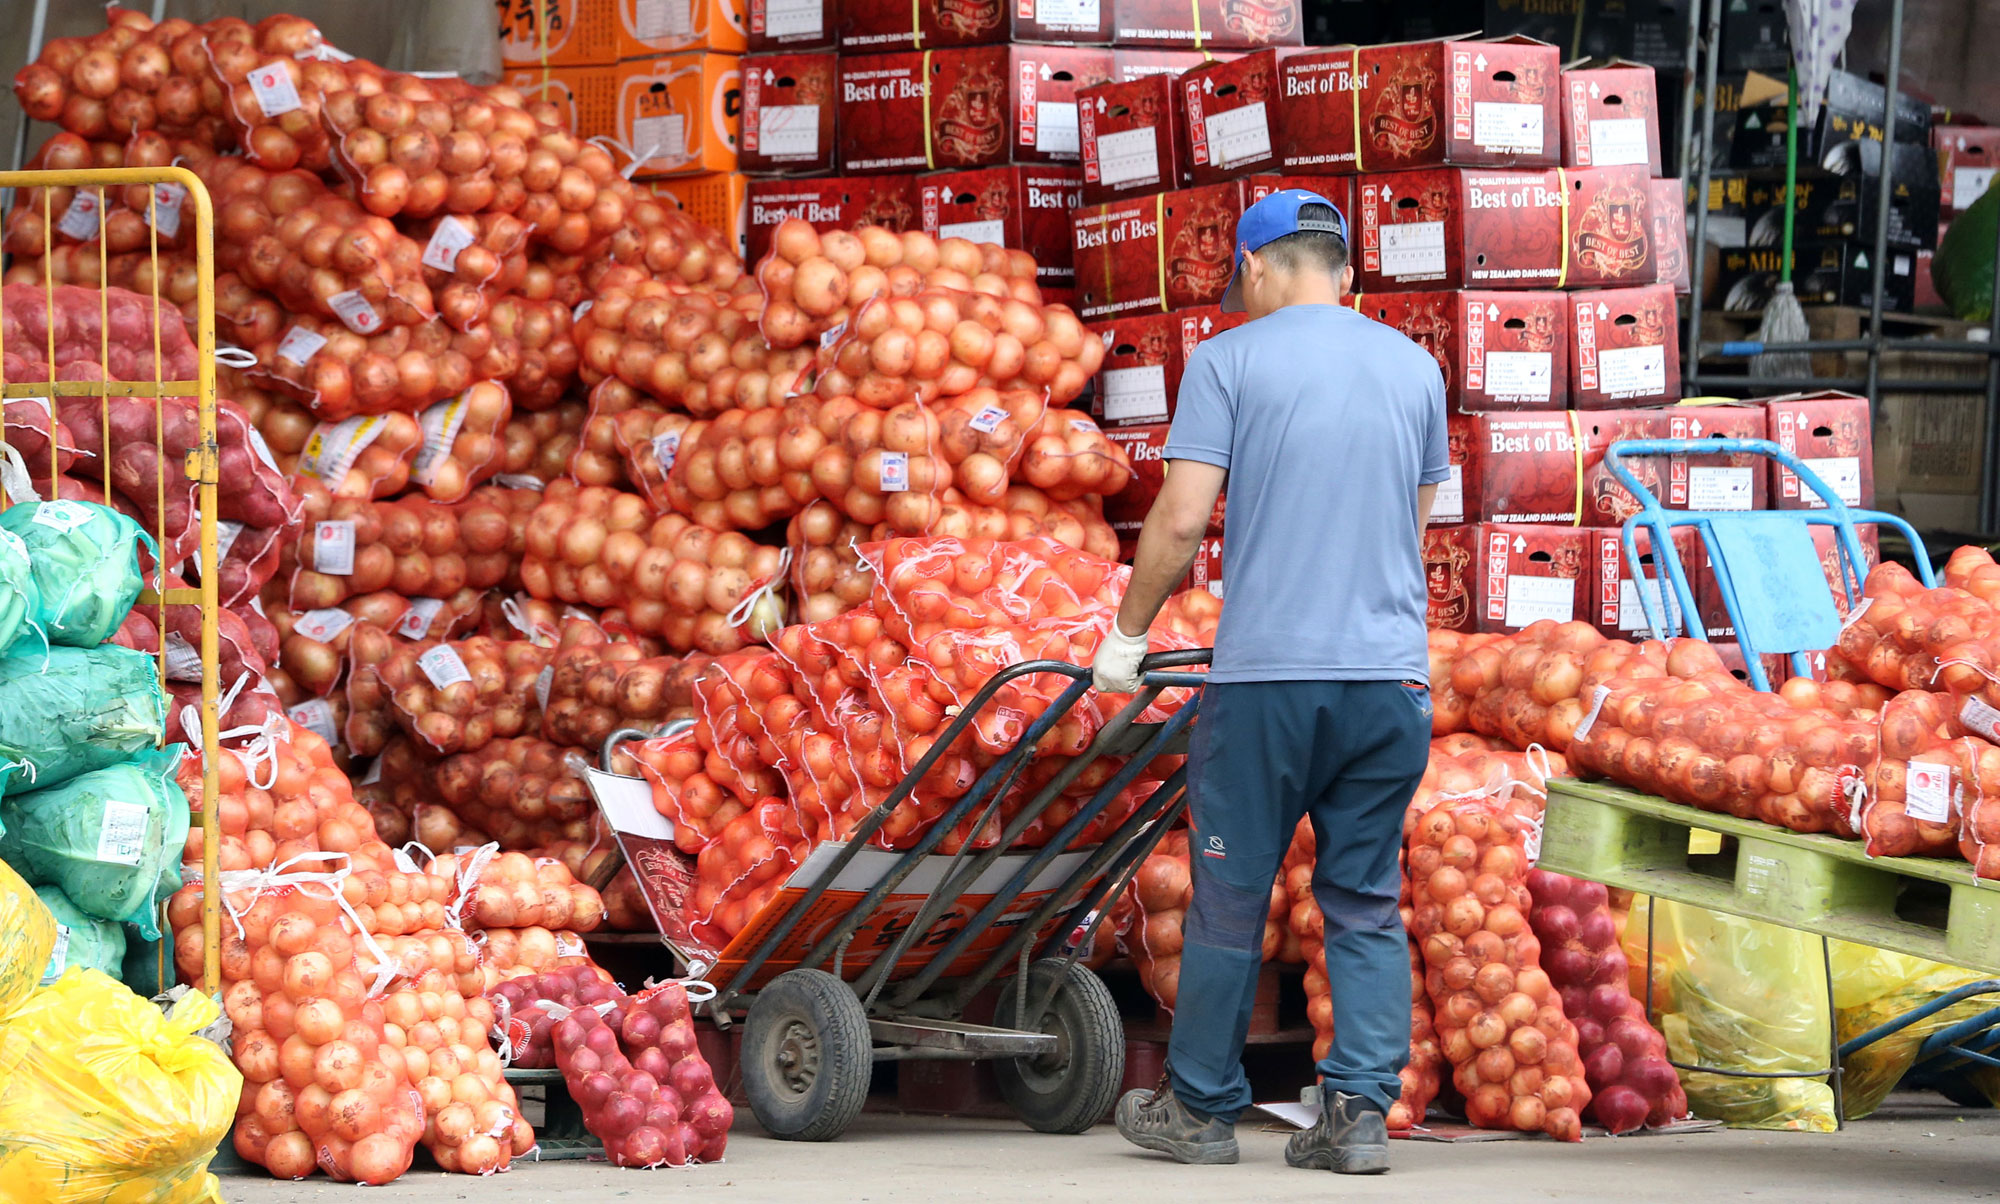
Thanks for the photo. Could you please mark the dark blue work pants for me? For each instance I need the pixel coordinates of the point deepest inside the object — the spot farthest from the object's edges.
(1263, 754)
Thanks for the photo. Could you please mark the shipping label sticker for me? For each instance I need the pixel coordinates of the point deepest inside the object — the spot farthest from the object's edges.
(1533, 598)
(568, 944)
(333, 547)
(1522, 375)
(1632, 371)
(165, 214)
(183, 658)
(443, 666)
(1619, 141)
(316, 716)
(1449, 505)
(332, 448)
(1979, 717)
(275, 92)
(1632, 609)
(1413, 249)
(1070, 14)
(1055, 127)
(993, 230)
(79, 221)
(1927, 792)
(1508, 128)
(1128, 156)
(122, 838)
(323, 624)
(1136, 394)
(354, 311)
(450, 237)
(58, 955)
(664, 135)
(789, 131)
(987, 420)
(1968, 184)
(794, 19)
(1238, 135)
(656, 19)
(1719, 488)
(441, 424)
(416, 621)
(300, 345)
(895, 471)
(1842, 474)
(62, 515)
(665, 448)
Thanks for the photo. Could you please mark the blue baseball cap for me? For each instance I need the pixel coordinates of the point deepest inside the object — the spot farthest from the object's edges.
(1271, 219)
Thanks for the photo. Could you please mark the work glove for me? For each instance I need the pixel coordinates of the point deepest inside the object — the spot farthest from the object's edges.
(1115, 670)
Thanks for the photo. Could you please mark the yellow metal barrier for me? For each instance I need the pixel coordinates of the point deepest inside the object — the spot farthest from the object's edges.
(201, 466)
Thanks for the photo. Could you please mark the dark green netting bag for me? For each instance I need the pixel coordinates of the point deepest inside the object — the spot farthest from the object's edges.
(71, 710)
(108, 838)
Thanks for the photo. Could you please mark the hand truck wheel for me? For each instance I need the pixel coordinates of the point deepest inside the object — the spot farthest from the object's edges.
(807, 1056)
(1073, 1086)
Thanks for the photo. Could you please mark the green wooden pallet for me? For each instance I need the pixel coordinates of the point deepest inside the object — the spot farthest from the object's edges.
(1925, 906)
(561, 1134)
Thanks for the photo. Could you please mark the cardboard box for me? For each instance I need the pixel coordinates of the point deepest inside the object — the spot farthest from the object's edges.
(878, 26)
(1610, 227)
(1830, 207)
(789, 108)
(1126, 510)
(977, 106)
(773, 25)
(1448, 505)
(1136, 62)
(1338, 190)
(1611, 116)
(587, 96)
(1206, 24)
(1455, 227)
(1144, 357)
(1830, 432)
(829, 203)
(1206, 571)
(1497, 350)
(1823, 273)
(1231, 114)
(1132, 138)
(1714, 482)
(1523, 467)
(1489, 102)
(680, 112)
(1616, 607)
(1026, 208)
(719, 200)
(1853, 112)
(1167, 251)
(1967, 156)
(1670, 233)
(1316, 110)
(1624, 346)
(1448, 554)
(1524, 573)
(577, 33)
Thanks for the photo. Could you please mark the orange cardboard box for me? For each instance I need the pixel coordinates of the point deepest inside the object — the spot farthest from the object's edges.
(587, 32)
(586, 95)
(680, 113)
(719, 199)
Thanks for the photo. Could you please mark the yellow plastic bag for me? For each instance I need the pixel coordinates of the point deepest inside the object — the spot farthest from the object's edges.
(1739, 995)
(1874, 986)
(27, 937)
(105, 1100)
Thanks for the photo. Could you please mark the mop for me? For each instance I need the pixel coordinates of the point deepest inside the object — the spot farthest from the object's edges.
(1784, 321)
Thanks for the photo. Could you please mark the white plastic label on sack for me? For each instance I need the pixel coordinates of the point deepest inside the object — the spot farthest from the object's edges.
(333, 547)
(443, 666)
(226, 533)
(519, 480)
(987, 420)
(665, 448)
(1589, 719)
(262, 448)
(275, 92)
(416, 621)
(895, 471)
(568, 944)
(1927, 792)
(323, 624)
(831, 334)
(373, 775)
(353, 309)
(165, 214)
(1977, 716)
(183, 658)
(404, 861)
(332, 448)
(543, 681)
(450, 237)
(1079, 426)
(58, 955)
(64, 516)
(79, 221)
(316, 716)
(122, 838)
(300, 345)
(441, 424)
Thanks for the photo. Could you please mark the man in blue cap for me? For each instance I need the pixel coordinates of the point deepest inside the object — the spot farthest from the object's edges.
(1329, 430)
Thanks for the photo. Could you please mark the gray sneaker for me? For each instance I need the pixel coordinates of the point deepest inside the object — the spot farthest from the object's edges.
(1350, 1138)
(1155, 1120)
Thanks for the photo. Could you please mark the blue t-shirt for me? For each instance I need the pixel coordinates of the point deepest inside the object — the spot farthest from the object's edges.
(1327, 422)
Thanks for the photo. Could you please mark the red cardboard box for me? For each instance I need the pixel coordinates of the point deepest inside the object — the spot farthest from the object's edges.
(1126, 510)
(788, 112)
(792, 24)
(1670, 232)
(1132, 138)
(830, 203)
(875, 26)
(1231, 111)
(1498, 351)
(1829, 431)
(1206, 24)
(1522, 467)
(1448, 554)
(1206, 571)
(1610, 227)
(1136, 62)
(1611, 117)
(1525, 573)
(1624, 348)
(1967, 156)
(1337, 189)
(1166, 251)
(1455, 227)
(1616, 607)
(1448, 506)
(1026, 208)
(1315, 126)
(972, 107)
(1472, 103)
(1144, 357)
(1714, 482)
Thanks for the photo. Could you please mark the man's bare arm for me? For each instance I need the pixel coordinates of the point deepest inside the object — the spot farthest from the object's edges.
(1169, 540)
(1426, 497)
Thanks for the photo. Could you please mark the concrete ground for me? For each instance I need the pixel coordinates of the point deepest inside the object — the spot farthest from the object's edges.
(1916, 1147)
